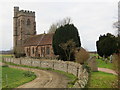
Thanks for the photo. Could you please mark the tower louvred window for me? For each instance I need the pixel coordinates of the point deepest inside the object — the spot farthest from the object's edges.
(28, 22)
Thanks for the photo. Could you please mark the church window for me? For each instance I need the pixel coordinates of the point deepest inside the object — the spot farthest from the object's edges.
(48, 50)
(27, 49)
(33, 50)
(28, 22)
(43, 51)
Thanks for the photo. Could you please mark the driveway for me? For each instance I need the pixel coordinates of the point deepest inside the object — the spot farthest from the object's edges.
(45, 79)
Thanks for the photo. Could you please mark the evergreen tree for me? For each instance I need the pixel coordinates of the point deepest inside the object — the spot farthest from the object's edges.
(106, 45)
(62, 35)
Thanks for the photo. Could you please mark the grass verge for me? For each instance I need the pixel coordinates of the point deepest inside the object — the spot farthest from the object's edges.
(101, 80)
(12, 77)
(6, 55)
(102, 64)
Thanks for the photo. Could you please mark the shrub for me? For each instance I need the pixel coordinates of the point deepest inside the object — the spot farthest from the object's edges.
(81, 56)
(18, 55)
(4, 65)
(85, 66)
(28, 74)
(116, 67)
(18, 52)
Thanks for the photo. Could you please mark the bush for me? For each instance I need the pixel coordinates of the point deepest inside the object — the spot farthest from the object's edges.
(81, 56)
(18, 55)
(85, 66)
(4, 65)
(18, 52)
(116, 67)
(28, 74)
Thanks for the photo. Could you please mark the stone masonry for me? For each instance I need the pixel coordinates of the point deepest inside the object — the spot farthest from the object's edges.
(66, 66)
(24, 26)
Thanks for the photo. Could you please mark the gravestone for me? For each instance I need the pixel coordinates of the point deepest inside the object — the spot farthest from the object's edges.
(92, 63)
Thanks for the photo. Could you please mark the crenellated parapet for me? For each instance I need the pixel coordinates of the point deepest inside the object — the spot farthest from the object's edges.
(26, 12)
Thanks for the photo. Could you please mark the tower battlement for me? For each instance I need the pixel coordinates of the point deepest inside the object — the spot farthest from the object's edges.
(24, 26)
(26, 12)
(18, 12)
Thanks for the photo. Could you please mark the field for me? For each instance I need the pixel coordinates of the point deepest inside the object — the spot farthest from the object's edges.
(12, 78)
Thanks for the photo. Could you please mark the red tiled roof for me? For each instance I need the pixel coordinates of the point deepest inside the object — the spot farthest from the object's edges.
(41, 39)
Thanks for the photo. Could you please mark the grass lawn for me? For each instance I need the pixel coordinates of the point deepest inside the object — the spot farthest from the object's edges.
(15, 77)
(101, 80)
(101, 63)
(0, 77)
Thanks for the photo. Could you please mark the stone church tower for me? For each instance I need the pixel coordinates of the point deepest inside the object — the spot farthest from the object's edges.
(24, 26)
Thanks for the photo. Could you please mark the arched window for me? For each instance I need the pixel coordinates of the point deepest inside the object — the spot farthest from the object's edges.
(28, 22)
(33, 50)
(48, 50)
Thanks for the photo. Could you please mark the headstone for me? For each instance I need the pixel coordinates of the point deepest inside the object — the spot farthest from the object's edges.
(110, 58)
(92, 63)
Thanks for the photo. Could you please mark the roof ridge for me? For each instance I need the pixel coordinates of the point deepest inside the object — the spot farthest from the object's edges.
(41, 34)
(40, 39)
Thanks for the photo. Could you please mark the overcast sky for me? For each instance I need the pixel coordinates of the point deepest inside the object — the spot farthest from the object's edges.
(91, 17)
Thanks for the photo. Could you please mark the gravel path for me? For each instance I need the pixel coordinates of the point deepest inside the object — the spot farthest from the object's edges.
(45, 79)
(107, 70)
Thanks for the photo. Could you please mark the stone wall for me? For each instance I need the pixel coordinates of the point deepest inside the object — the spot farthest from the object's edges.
(66, 66)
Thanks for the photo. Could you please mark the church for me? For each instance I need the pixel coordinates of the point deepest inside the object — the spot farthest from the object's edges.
(25, 38)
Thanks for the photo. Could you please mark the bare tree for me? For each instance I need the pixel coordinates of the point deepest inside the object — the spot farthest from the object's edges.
(59, 23)
(117, 25)
(53, 28)
(68, 47)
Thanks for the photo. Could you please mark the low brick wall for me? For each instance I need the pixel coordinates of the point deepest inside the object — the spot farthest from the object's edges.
(66, 66)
